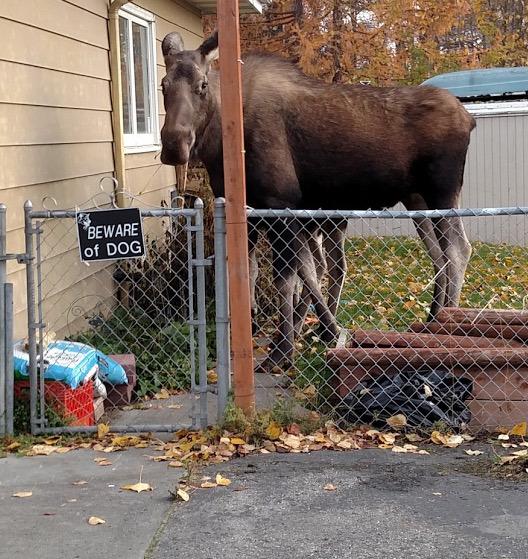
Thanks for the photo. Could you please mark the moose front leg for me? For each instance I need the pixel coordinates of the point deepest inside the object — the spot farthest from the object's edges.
(285, 244)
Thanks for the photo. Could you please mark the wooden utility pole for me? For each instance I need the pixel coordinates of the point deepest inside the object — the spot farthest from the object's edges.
(235, 194)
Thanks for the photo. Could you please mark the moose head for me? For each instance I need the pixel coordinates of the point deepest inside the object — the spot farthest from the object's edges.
(187, 95)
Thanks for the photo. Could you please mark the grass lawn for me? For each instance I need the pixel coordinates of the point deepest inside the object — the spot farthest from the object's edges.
(388, 283)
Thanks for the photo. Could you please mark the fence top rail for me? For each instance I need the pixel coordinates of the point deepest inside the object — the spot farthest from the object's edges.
(398, 214)
(160, 212)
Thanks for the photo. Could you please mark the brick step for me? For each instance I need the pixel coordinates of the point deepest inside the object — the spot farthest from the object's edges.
(514, 333)
(505, 317)
(379, 338)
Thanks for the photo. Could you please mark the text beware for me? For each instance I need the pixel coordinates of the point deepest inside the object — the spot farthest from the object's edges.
(110, 234)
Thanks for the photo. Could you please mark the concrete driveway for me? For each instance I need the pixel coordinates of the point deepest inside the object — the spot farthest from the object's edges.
(385, 505)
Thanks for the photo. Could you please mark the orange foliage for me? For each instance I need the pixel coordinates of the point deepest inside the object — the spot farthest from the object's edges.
(389, 41)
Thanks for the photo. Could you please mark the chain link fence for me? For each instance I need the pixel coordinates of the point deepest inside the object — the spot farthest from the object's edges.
(392, 354)
(131, 343)
(357, 317)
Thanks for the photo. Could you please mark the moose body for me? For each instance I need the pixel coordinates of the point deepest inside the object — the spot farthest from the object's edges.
(311, 145)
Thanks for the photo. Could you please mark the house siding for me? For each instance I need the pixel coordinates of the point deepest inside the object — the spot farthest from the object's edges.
(56, 132)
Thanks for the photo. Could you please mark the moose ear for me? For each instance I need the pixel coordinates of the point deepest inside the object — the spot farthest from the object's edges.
(172, 44)
(209, 48)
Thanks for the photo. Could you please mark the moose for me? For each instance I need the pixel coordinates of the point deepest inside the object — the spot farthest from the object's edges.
(312, 145)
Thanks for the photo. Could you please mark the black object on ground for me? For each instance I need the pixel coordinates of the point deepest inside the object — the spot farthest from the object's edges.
(425, 397)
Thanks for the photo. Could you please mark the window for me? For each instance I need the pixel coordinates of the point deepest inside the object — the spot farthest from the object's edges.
(138, 74)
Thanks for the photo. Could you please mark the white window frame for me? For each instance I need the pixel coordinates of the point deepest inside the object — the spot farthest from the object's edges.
(140, 143)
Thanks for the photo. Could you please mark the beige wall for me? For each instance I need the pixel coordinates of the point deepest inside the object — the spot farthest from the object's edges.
(56, 131)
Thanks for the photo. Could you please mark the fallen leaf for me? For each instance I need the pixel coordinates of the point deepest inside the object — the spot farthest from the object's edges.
(22, 494)
(329, 487)
(508, 445)
(454, 440)
(102, 462)
(293, 429)
(507, 459)
(183, 495)
(52, 440)
(520, 453)
(273, 431)
(413, 438)
(310, 391)
(291, 441)
(174, 406)
(372, 433)
(212, 376)
(41, 450)
(95, 520)
(437, 494)
(519, 430)
(467, 437)
(399, 449)
(503, 437)
(208, 485)
(102, 430)
(13, 446)
(524, 443)
(473, 452)
(237, 441)
(80, 482)
(222, 480)
(175, 464)
(163, 394)
(451, 441)
(62, 449)
(427, 391)
(126, 440)
(423, 452)
(387, 438)
(438, 438)
(397, 421)
(137, 487)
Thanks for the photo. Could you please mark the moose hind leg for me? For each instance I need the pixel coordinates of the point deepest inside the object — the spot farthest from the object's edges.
(457, 249)
(329, 329)
(315, 268)
(284, 243)
(334, 246)
(426, 232)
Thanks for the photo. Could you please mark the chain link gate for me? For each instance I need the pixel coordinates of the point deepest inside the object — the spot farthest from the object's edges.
(150, 315)
(386, 358)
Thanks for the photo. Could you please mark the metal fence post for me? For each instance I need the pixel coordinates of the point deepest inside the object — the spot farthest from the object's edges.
(192, 340)
(201, 311)
(3, 348)
(9, 368)
(223, 368)
(32, 326)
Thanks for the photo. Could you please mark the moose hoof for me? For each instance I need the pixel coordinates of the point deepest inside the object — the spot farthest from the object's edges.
(328, 336)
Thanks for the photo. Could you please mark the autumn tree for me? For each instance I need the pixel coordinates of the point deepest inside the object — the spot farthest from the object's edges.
(390, 41)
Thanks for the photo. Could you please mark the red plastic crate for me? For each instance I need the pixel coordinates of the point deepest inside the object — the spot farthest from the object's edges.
(75, 405)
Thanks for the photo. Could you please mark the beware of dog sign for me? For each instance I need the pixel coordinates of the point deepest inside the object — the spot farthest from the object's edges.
(110, 234)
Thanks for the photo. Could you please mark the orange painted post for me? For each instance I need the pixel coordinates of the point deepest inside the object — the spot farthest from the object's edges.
(235, 194)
